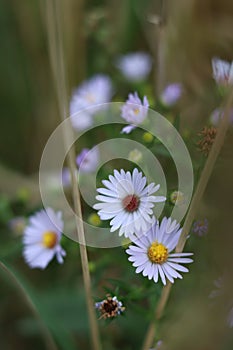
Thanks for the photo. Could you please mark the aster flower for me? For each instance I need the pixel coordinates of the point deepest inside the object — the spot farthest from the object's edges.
(151, 253)
(134, 111)
(42, 238)
(94, 92)
(127, 201)
(110, 307)
(222, 71)
(200, 227)
(171, 94)
(88, 160)
(135, 66)
(218, 114)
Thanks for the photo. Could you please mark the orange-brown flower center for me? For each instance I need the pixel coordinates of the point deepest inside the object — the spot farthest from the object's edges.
(131, 203)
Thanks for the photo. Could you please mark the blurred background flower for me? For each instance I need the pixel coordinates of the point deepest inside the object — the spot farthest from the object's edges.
(135, 66)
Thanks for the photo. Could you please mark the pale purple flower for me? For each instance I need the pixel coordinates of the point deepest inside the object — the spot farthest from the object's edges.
(88, 160)
(218, 114)
(42, 238)
(171, 94)
(135, 66)
(151, 252)
(96, 92)
(222, 71)
(200, 227)
(134, 111)
(127, 201)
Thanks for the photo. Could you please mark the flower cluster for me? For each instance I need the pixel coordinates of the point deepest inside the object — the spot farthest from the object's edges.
(128, 202)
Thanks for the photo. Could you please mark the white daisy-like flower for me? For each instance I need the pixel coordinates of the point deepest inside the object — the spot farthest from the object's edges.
(151, 253)
(96, 92)
(128, 202)
(42, 238)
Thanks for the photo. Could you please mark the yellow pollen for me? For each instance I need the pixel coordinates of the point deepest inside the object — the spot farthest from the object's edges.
(157, 253)
(49, 239)
(136, 111)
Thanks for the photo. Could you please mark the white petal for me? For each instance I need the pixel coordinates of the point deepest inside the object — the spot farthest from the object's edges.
(141, 268)
(167, 273)
(107, 192)
(140, 260)
(181, 260)
(106, 199)
(177, 267)
(162, 274)
(156, 273)
(172, 272)
(147, 269)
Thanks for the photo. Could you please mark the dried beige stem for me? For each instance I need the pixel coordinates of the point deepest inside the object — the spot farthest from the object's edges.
(205, 176)
(54, 22)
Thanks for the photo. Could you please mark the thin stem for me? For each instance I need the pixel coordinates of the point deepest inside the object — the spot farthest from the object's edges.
(50, 344)
(54, 21)
(205, 176)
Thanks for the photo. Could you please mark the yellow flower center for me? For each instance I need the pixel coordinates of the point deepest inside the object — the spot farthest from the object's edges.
(49, 239)
(157, 253)
(136, 110)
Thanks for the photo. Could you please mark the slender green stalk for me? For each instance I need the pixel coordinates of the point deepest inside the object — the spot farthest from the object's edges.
(205, 176)
(54, 23)
(50, 344)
